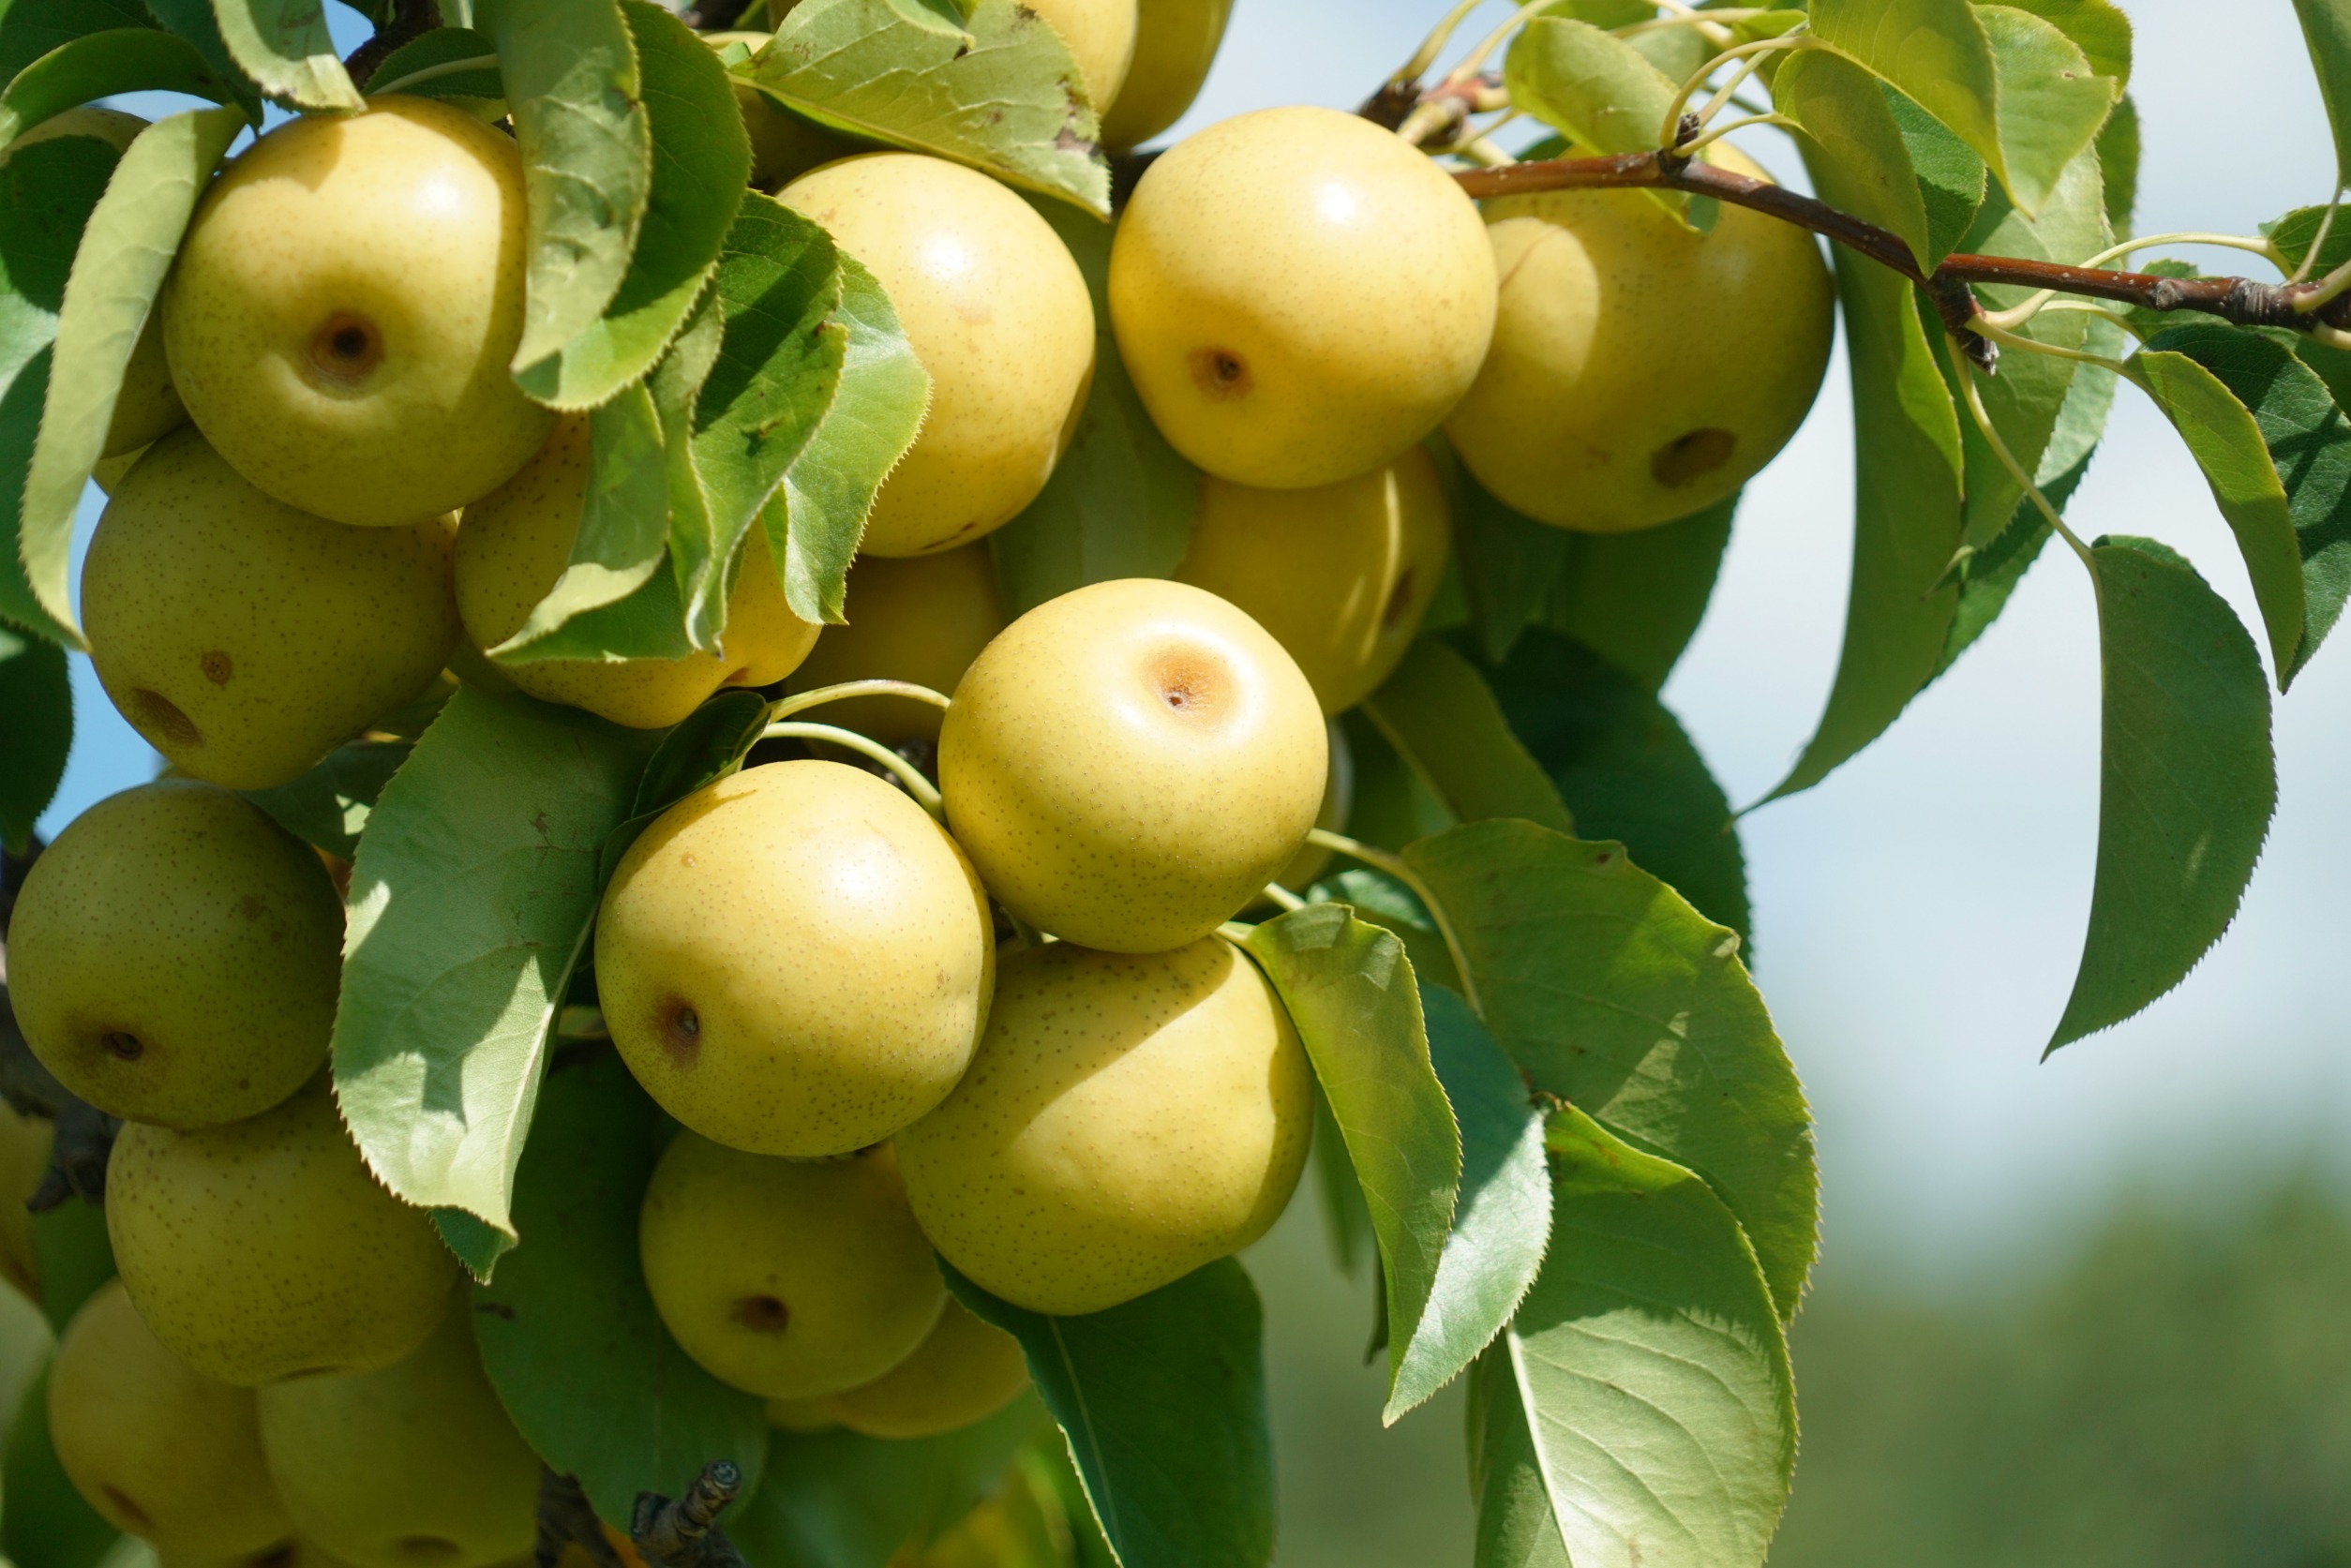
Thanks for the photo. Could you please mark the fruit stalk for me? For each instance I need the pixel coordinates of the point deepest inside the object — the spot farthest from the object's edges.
(685, 1534)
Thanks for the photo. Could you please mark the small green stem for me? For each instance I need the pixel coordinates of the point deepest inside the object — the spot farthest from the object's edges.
(1236, 931)
(1709, 23)
(1967, 372)
(1434, 45)
(1396, 866)
(433, 73)
(1718, 132)
(800, 702)
(1276, 893)
(1475, 60)
(2318, 241)
(924, 792)
(1982, 326)
(1670, 133)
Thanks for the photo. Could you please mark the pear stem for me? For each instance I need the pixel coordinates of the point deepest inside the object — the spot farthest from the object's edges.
(800, 702)
(1397, 867)
(925, 793)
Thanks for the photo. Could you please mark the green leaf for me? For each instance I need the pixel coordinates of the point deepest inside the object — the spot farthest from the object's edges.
(2118, 148)
(1347, 1216)
(1381, 900)
(1507, 562)
(709, 744)
(2051, 103)
(46, 1524)
(126, 248)
(1951, 180)
(407, 68)
(1614, 994)
(1626, 770)
(837, 1500)
(193, 20)
(37, 698)
(2097, 27)
(470, 902)
(1637, 598)
(1121, 502)
(1002, 94)
(1515, 1527)
(1504, 1220)
(702, 551)
(568, 1331)
(1849, 124)
(2326, 29)
(876, 413)
(31, 28)
(577, 98)
(1591, 87)
(1350, 991)
(2294, 235)
(1439, 715)
(1653, 1370)
(701, 163)
(1933, 49)
(2187, 781)
(122, 60)
(1905, 508)
(1164, 1400)
(2306, 443)
(73, 1256)
(283, 45)
(328, 807)
(620, 543)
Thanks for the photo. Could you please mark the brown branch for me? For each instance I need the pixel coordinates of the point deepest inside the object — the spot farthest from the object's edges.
(685, 1534)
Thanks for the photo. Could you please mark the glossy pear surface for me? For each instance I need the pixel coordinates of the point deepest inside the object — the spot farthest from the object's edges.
(1299, 296)
(1175, 42)
(411, 1465)
(965, 1371)
(996, 311)
(512, 549)
(1100, 36)
(1339, 797)
(1127, 765)
(175, 956)
(148, 407)
(1128, 1119)
(344, 308)
(795, 960)
(158, 1449)
(1341, 575)
(787, 1278)
(245, 639)
(265, 1249)
(923, 620)
(1642, 371)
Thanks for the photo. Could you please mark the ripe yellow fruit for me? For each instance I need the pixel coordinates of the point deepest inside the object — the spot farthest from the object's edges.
(996, 311)
(784, 146)
(265, 1249)
(414, 1464)
(1299, 296)
(785, 1278)
(1127, 765)
(803, 1415)
(1339, 797)
(158, 1449)
(1127, 1120)
(923, 620)
(24, 1143)
(512, 549)
(1341, 575)
(1175, 42)
(295, 1553)
(796, 959)
(1609, 402)
(1100, 36)
(966, 1371)
(175, 955)
(245, 639)
(344, 308)
(148, 407)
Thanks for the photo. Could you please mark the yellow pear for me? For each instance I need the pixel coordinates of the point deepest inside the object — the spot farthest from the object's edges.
(1175, 42)
(265, 1249)
(512, 550)
(1341, 575)
(245, 639)
(1339, 797)
(175, 955)
(1608, 403)
(293, 1553)
(784, 146)
(787, 1278)
(1300, 295)
(415, 1464)
(344, 308)
(1100, 36)
(1128, 1119)
(148, 408)
(996, 311)
(24, 1143)
(158, 1449)
(795, 960)
(1127, 765)
(965, 1371)
(803, 1415)
(922, 619)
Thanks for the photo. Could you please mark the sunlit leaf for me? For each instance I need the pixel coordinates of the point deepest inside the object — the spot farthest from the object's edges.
(328, 807)
(2051, 101)
(123, 60)
(1438, 713)
(284, 46)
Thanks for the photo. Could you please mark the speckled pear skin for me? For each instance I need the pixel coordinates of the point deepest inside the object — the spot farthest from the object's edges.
(416, 1465)
(1340, 575)
(965, 1371)
(1100, 36)
(1300, 295)
(148, 407)
(1127, 1120)
(796, 959)
(344, 308)
(923, 620)
(1127, 765)
(788, 1278)
(245, 639)
(159, 1450)
(1175, 42)
(512, 549)
(265, 1249)
(175, 955)
(998, 312)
